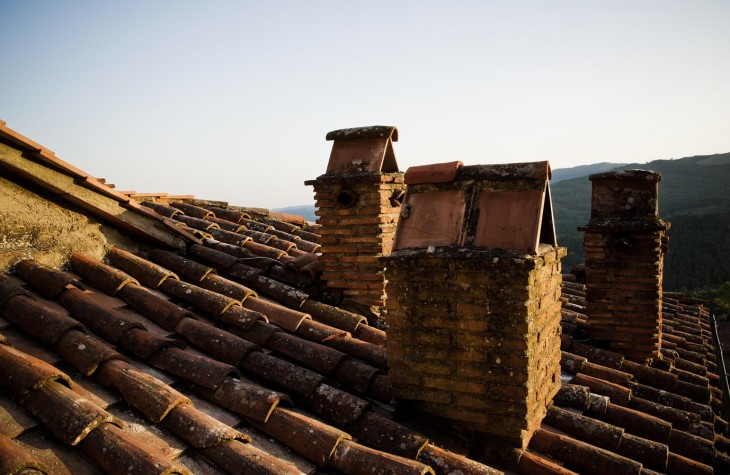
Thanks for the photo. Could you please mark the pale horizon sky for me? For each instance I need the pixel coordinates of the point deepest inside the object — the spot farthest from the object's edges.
(231, 100)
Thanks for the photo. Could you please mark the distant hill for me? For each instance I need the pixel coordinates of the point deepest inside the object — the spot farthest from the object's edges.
(561, 174)
(306, 211)
(694, 195)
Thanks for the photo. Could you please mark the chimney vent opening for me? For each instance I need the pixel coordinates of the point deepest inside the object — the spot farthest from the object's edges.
(623, 244)
(346, 198)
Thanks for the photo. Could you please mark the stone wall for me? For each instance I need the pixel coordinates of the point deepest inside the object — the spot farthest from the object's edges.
(474, 336)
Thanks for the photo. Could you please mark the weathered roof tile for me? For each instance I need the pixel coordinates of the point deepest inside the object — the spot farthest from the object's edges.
(16, 459)
(223, 345)
(43, 321)
(67, 414)
(84, 352)
(245, 398)
(22, 372)
(147, 273)
(201, 370)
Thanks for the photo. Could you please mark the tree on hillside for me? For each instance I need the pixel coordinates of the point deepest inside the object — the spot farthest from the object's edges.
(722, 301)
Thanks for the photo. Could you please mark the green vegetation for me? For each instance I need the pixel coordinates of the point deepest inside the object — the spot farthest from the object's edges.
(719, 299)
(694, 195)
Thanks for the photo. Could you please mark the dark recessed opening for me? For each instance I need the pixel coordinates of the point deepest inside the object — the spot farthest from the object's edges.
(622, 244)
(396, 199)
(346, 198)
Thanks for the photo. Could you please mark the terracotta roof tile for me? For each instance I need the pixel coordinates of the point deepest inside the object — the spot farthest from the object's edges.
(146, 272)
(24, 372)
(134, 393)
(222, 344)
(114, 450)
(60, 459)
(308, 437)
(286, 375)
(14, 420)
(229, 237)
(71, 417)
(201, 370)
(582, 455)
(197, 223)
(66, 413)
(44, 321)
(246, 398)
(229, 215)
(16, 459)
(235, 457)
(84, 352)
(206, 301)
(191, 210)
(358, 459)
(241, 318)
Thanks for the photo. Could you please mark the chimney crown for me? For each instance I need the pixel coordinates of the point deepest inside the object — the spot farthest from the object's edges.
(495, 206)
(625, 194)
(363, 150)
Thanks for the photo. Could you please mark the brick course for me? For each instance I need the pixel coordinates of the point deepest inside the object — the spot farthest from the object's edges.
(624, 243)
(355, 236)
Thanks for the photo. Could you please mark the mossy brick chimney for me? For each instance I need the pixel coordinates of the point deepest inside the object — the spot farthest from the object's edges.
(473, 302)
(358, 201)
(625, 242)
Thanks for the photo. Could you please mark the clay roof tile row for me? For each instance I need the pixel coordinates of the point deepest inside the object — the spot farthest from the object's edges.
(660, 414)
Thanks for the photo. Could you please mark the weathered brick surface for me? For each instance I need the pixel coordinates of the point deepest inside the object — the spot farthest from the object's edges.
(624, 246)
(356, 235)
(474, 335)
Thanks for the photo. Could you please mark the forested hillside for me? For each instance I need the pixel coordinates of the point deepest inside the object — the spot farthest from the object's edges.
(694, 195)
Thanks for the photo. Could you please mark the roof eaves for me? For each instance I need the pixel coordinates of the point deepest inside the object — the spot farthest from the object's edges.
(78, 187)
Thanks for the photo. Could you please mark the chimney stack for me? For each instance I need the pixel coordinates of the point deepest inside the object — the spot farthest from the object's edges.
(473, 303)
(625, 242)
(358, 201)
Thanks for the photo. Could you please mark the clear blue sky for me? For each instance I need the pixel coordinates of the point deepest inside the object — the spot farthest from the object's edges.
(231, 100)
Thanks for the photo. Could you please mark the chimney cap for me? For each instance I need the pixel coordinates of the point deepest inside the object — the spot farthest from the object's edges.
(371, 132)
(649, 176)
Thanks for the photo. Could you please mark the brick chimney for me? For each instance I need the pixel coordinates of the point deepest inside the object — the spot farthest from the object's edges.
(358, 201)
(473, 303)
(624, 243)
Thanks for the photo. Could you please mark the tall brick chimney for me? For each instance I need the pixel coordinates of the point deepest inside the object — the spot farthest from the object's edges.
(473, 303)
(624, 243)
(358, 201)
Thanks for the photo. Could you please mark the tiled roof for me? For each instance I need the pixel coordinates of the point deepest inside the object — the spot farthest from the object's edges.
(664, 416)
(227, 360)
(247, 354)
